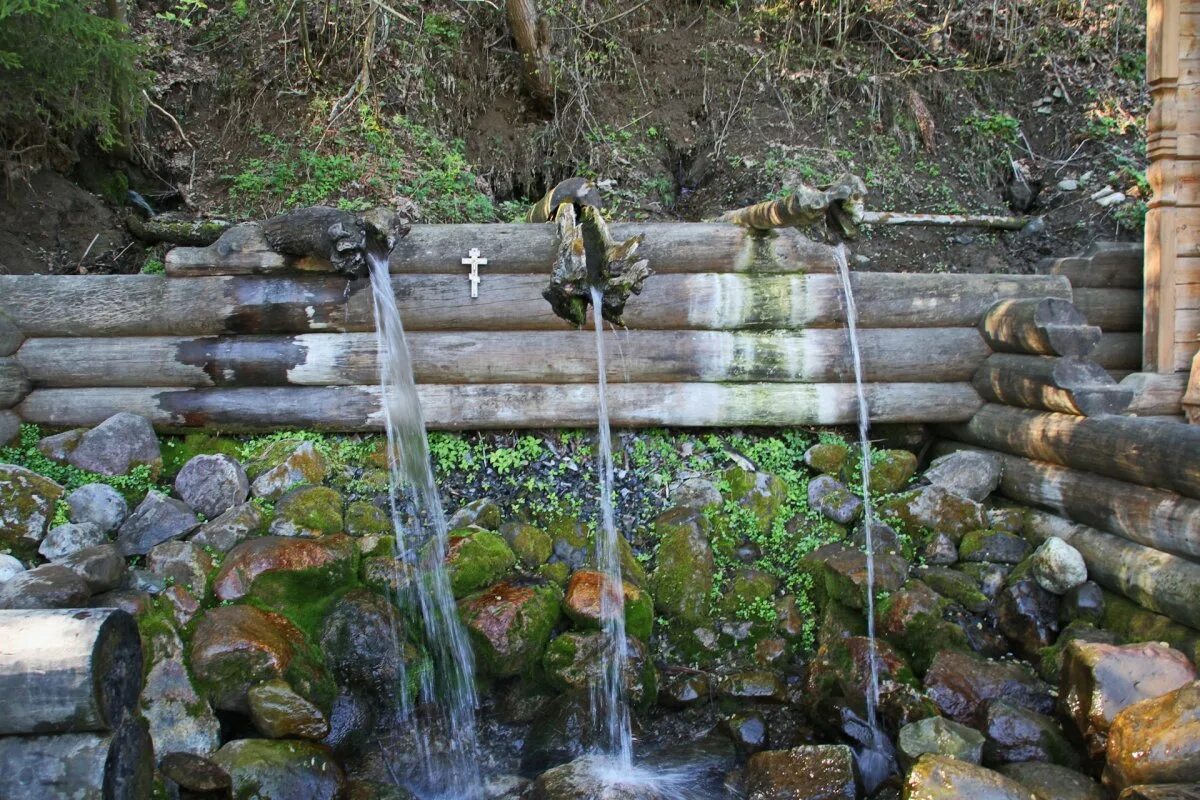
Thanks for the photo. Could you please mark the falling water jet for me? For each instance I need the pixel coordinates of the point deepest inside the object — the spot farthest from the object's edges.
(446, 699)
(875, 760)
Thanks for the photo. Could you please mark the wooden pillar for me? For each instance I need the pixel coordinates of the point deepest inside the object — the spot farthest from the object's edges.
(1172, 244)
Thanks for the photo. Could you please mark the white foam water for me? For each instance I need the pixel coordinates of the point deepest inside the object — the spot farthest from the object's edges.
(444, 711)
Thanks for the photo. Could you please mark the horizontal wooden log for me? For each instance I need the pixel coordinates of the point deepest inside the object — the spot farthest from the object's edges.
(484, 406)
(1110, 309)
(1130, 449)
(10, 336)
(80, 766)
(1152, 517)
(67, 670)
(1119, 351)
(1108, 265)
(1155, 394)
(148, 305)
(347, 359)
(13, 383)
(1158, 581)
(671, 247)
(1068, 384)
(1045, 326)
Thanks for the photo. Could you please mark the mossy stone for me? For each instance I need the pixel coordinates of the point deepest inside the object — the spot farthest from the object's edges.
(682, 578)
(573, 662)
(631, 569)
(484, 513)
(827, 457)
(477, 558)
(532, 546)
(27, 502)
(1137, 624)
(367, 519)
(891, 470)
(995, 546)
(957, 586)
(760, 493)
(556, 572)
(308, 511)
(280, 769)
(748, 589)
(509, 625)
(583, 604)
(178, 450)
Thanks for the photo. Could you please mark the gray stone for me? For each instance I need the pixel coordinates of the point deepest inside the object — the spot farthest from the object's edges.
(695, 492)
(966, 473)
(101, 567)
(280, 769)
(944, 778)
(117, 445)
(1057, 566)
(962, 684)
(98, 504)
(10, 428)
(181, 563)
(180, 720)
(63, 540)
(834, 500)
(1053, 782)
(212, 484)
(26, 508)
(997, 547)
(884, 538)
(9, 567)
(940, 550)
(1018, 734)
(226, 531)
(283, 465)
(940, 736)
(47, 586)
(59, 446)
(483, 512)
(157, 519)
(1068, 185)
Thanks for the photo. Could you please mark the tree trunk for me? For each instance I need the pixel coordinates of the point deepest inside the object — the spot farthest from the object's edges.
(1141, 451)
(118, 765)
(532, 36)
(69, 670)
(1039, 326)
(1151, 517)
(492, 406)
(812, 356)
(191, 232)
(1159, 581)
(1068, 384)
(148, 305)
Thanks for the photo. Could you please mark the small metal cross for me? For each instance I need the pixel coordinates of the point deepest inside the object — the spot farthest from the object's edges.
(475, 262)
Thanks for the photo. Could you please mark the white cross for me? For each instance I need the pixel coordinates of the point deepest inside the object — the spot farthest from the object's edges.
(475, 262)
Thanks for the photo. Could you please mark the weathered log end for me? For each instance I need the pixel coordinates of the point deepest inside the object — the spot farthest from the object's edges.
(89, 680)
(10, 336)
(1068, 384)
(14, 384)
(95, 766)
(1047, 326)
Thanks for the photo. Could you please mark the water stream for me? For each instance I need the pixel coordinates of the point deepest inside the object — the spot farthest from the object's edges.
(443, 713)
(874, 760)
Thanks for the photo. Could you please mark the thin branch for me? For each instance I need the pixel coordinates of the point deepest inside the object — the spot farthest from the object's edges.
(168, 115)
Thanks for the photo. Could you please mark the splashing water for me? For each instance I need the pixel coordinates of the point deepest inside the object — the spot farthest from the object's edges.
(607, 694)
(869, 761)
(448, 751)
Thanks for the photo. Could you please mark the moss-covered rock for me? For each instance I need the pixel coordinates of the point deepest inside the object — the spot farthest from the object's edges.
(280, 769)
(582, 603)
(891, 470)
(748, 590)
(997, 547)
(573, 661)
(483, 513)
(284, 464)
(279, 713)
(178, 450)
(510, 624)
(845, 573)
(934, 508)
(1136, 624)
(367, 519)
(760, 493)
(682, 578)
(556, 572)
(957, 586)
(532, 546)
(827, 457)
(27, 503)
(572, 544)
(308, 511)
(476, 558)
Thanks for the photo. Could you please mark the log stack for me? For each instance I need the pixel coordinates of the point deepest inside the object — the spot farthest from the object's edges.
(70, 680)
(13, 383)
(735, 327)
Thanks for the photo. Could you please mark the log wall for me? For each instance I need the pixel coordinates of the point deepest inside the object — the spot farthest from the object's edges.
(734, 328)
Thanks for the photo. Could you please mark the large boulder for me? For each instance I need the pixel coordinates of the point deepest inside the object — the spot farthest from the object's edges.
(285, 464)
(1100, 680)
(1018, 734)
(1028, 616)
(997, 547)
(117, 445)
(359, 637)
(308, 511)
(939, 736)
(573, 661)
(682, 579)
(271, 769)
(157, 519)
(26, 507)
(532, 546)
(962, 684)
(891, 470)
(1156, 741)
(9, 567)
(279, 570)
(236, 647)
(842, 669)
(183, 564)
(936, 777)
(476, 558)
(47, 586)
(845, 572)
(588, 778)
(811, 772)
(97, 504)
(967, 473)
(212, 484)
(510, 625)
(278, 712)
(102, 568)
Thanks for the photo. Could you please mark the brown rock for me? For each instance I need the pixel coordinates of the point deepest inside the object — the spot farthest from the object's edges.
(961, 684)
(1156, 741)
(1099, 680)
(510, 625)
(582, 603)
(279, 713)
(937, 777)
(813, 772)
(265, 554)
